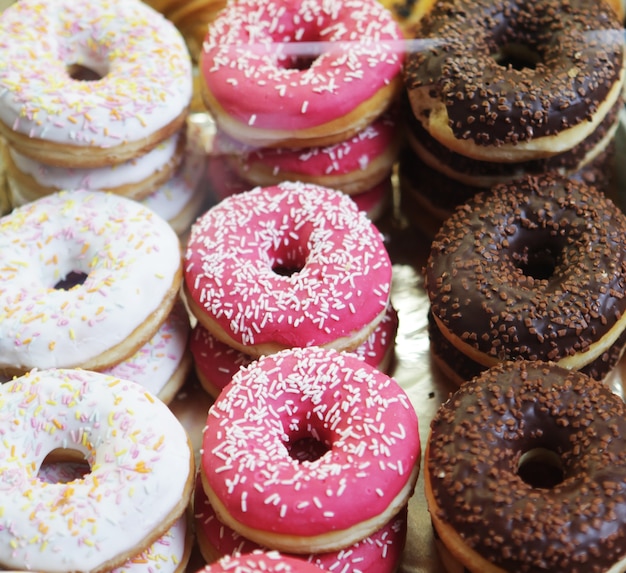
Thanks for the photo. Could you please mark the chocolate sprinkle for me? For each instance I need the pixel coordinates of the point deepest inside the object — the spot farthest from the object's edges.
(477, 439)
(534, 270)
(579, 48)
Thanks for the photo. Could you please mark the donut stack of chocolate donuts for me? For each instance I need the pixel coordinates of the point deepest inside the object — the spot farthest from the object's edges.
(273, 444)
(286, 266)
(495, 94)
(116, 125)
(304, 95)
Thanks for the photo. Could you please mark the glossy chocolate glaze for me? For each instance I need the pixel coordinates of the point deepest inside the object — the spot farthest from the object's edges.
(578, 45)
(535, 269)
(477, 439)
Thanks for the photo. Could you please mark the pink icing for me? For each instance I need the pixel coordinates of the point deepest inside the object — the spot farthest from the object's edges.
(362, 416)
(351, 156)
(342, 272)
(217, 362)
(249, 52)
(257, 561)
(378, 553)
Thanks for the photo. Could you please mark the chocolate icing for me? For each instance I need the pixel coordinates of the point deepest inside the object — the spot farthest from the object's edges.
(464, 368)
(579, 46)
(535, 269)
(477, 439)
(568, 161)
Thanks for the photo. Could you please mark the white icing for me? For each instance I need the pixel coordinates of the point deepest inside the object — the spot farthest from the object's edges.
(146, 69)
(96, 179)
(155, 362)
(138, 454)
(171, 198)
(131, 257)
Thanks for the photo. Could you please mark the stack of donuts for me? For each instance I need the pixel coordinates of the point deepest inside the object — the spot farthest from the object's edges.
(305, 91)
(533, 270)
(96, 97)
(293, 265)
(290, 464)
(91, 280)
(505, 89)
(96, 475)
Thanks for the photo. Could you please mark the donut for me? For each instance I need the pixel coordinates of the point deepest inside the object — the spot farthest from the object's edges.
(361, 424)
(136, 94)
(86, 279)
(266, 561)
(313, 73)
(161, 365)
(291, 265)
(216, 363)
(524, 472)
(140, 477)
(352, 166)
(136, 178)
(458, 368)
(515, 81)
(379, 553)
(531, 270)
(485, 174)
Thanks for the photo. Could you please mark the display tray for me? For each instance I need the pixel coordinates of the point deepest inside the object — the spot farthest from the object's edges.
(413, 368)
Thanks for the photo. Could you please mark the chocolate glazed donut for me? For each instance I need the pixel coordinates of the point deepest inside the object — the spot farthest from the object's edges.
(532, 270)
(536, 79)
(526, 471)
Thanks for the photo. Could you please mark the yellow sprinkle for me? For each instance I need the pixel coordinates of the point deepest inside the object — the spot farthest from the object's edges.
(159, 443)
(72, 334)
(149, 397)
(51, 345)
(58, 424)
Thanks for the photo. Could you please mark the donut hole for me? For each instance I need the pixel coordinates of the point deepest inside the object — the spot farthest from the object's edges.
(70, 280)
(541, 468)
(63, 465)
(516, 56)
(83, 73)
(286, 263)
(298, 62)
(307, 449)
(538, 261)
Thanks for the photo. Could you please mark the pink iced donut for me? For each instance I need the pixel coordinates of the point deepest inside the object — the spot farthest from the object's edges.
(139, 96)
(216, 363)
(303, 73)
(352, 166)
(358, 422)
(162, 364)
(260, 561)
(291, 265)
(379, 553)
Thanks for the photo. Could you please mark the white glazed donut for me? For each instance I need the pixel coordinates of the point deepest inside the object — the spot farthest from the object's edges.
(292, 265)
(140, 479)
(129, 259)
(168, 554)
(136, 178)
(142, 96)
(359, 420)
(162, 364)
